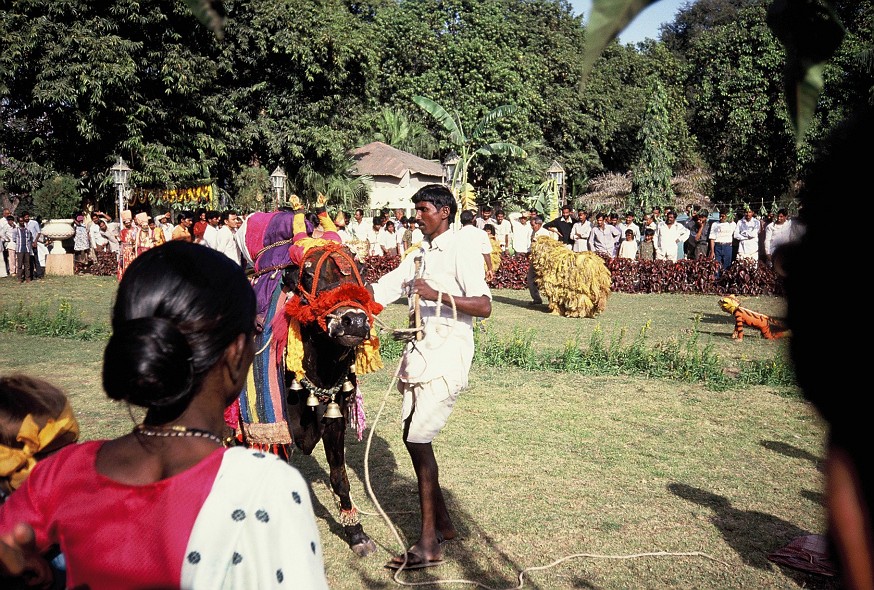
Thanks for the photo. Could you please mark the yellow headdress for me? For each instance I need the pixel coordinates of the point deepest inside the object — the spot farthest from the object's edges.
(16, 463)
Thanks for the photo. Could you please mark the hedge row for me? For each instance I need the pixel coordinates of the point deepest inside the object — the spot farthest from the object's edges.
(636, 276)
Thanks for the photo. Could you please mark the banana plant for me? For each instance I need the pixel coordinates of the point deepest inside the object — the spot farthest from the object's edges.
(468, 147)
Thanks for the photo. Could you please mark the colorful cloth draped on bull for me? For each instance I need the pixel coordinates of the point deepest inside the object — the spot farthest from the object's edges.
(274, 242)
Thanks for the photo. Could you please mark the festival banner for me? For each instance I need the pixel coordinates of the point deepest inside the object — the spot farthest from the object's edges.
(203, 194)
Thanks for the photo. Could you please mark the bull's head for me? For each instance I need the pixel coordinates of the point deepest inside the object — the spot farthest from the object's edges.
(330, 292)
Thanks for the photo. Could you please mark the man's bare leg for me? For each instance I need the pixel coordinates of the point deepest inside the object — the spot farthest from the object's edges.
(436, 524)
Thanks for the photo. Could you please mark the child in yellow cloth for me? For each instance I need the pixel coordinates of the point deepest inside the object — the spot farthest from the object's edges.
(35, 421)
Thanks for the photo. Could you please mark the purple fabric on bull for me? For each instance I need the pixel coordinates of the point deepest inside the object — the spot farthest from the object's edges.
(279, 228)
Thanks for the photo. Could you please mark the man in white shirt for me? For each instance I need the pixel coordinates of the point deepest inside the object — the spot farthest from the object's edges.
(778, 232)
(166, 224)
(388, 239)
(435, 369)
(581, 231)
(721, 236)
(225, 239)
(99, 241)
(484, 218)
(604, 238)
(503, 230)
(357, 227)
(372, 238)
(522, 233)
(342, 231)
(477, 240)
(5, 237)
(209, 234)
(629, 224)
(747, 235)
(668, 237)
(418, 236)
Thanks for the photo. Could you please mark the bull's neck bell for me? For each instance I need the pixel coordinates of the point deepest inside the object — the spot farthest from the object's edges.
(333, 410)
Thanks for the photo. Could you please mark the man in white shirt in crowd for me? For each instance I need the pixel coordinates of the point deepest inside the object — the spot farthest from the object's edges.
(721, 236)
(372, 237)
(747, 235)
(5, 237)
(521, 236)
(603, 237)
(165, 222)
(212, 223)
(388, 239)
(503, 230)
(225, 239)
(418, 236)
(484, 217)
(342, 231)
(778, 232)
(580, 232)
(669, 236)
(357, 227)
(629, 224)
(476, 239)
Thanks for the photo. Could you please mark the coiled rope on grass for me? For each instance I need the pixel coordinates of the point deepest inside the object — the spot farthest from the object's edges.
(410, 335)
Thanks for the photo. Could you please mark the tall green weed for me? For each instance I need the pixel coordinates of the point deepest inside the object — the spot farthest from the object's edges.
(40, 320)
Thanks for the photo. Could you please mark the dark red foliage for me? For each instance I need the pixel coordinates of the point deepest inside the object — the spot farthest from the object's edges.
(636, 276)
(106, 265)
(512, 272)
(376, 266)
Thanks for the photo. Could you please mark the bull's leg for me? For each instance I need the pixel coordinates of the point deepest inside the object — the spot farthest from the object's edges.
(335, 453)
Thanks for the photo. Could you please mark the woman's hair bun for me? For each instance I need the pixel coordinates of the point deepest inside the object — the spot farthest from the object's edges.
(148, 363)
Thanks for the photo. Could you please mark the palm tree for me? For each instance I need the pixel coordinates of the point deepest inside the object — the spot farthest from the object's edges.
(397, 130)
(344, 191)
(467, 147)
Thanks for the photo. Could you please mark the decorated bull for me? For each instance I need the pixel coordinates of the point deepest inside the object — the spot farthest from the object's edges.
(317, 337)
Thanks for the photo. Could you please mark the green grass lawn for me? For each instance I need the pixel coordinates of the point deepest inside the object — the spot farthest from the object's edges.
(540, 466)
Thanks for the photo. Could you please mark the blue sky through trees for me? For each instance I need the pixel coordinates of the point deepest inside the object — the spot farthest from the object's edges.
(647, 23)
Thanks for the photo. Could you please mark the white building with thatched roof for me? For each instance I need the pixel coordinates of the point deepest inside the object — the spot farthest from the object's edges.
(396, 174)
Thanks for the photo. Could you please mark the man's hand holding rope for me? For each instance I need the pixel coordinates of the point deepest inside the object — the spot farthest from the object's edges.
(480, 306)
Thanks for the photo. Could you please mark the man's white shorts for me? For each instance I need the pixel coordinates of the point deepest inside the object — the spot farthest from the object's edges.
(430, 404)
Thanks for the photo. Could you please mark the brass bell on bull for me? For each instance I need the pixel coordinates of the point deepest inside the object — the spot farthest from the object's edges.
(312, 400)
(347, 386)
(295, 385)
(333, 410)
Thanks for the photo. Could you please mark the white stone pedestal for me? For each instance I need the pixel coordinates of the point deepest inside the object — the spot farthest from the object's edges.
(59, 265)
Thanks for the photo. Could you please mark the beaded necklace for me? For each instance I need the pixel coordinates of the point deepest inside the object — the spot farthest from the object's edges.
(180, 431)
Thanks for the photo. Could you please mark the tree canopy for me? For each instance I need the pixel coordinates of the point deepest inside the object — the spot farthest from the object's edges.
(299, 84)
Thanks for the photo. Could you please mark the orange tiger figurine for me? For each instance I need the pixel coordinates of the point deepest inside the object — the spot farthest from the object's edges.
(771, 328)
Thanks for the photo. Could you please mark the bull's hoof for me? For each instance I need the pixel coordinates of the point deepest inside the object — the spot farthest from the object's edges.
(364, 549)
(358, 540)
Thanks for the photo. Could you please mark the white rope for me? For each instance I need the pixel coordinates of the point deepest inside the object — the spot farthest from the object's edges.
(401, 542)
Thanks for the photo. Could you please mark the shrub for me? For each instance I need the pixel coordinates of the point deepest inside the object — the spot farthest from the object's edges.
(58, 198)
(635, 276)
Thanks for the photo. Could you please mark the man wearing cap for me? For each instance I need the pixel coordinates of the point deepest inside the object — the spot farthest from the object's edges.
(166, 224)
